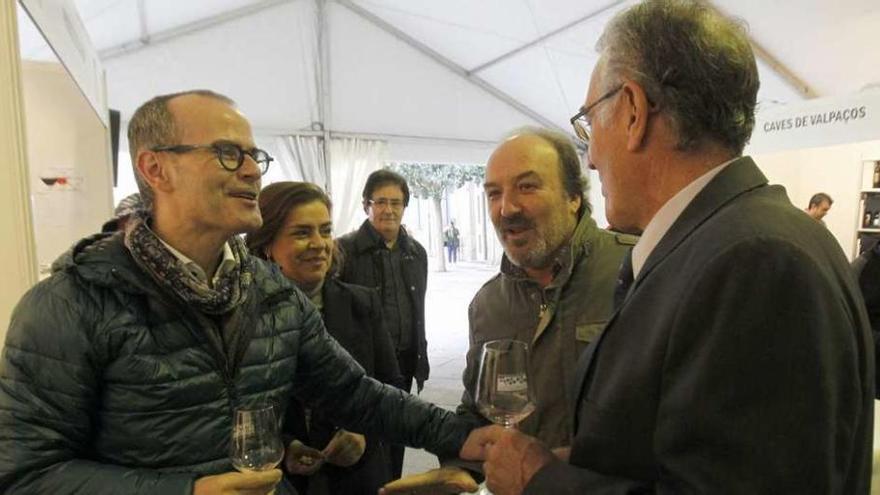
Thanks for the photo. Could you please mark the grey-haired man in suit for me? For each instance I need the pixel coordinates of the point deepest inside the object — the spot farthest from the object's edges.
(741, 359)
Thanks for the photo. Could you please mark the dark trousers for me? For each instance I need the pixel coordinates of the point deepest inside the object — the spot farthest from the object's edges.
(406, 360)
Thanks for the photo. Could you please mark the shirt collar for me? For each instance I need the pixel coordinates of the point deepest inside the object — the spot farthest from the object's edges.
(225, 266)
(667, 215)
(380, 241)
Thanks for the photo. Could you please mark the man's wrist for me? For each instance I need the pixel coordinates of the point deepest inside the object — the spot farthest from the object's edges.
(536, 458)
(542, 477)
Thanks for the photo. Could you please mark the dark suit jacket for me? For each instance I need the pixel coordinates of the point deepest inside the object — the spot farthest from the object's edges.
(741, 361)
(866, 269)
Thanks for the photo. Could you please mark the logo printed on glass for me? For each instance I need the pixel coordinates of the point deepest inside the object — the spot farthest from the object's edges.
(512, 383)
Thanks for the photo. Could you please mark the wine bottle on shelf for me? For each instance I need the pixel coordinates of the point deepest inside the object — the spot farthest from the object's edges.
(875, 222)
(866, 222)
(876, 175)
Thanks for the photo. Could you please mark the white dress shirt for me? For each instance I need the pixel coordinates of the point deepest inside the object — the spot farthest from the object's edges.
(667, 215)
(226, 264)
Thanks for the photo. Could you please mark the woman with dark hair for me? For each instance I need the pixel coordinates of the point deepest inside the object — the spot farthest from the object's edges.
(297, 234)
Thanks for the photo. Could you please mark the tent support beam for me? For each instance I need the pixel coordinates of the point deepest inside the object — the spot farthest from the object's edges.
(793, 80)
(540, 39)
(323, 86)
(264, 131)
(142, 18)
(146, 40)
(449, 64)
(782, 70)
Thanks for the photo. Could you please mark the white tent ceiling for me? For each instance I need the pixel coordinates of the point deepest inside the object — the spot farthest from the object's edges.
(456, 70)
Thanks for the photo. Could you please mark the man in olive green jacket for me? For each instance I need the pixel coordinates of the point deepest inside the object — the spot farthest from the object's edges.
(555, 287)
(557, 276)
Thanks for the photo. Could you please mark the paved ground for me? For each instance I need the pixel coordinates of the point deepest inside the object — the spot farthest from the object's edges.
(448, 296)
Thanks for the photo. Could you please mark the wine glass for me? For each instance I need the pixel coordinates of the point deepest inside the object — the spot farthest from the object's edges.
(503, 393)
(256, 441)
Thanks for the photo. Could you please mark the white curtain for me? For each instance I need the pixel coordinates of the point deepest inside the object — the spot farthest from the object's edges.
(302, 158)
(351, 162)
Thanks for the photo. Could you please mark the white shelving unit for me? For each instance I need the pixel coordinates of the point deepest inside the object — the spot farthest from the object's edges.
(868, 221)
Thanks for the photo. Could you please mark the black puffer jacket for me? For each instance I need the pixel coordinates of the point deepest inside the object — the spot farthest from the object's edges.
(107, 386)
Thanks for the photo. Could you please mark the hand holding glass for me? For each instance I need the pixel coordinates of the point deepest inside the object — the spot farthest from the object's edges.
(256, 441)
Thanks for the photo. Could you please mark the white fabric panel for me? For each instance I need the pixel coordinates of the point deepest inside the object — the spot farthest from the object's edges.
(774, 89)
(400, 150)
(110, 22)
(31, 43)
(555, 87)
(830, 45)
(351, 162)
(472, 33)
(381, 85)
(264, 61)
(279, 170)
(303, 157)
(464, 31)
(162, 15)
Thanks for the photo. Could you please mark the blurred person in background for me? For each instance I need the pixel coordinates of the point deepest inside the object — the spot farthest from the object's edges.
(818, 207)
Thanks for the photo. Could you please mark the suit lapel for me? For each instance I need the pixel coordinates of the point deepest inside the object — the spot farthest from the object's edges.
(737, 178)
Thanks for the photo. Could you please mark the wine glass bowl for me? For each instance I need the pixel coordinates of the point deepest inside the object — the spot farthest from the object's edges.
(256, 440)
(504, 395)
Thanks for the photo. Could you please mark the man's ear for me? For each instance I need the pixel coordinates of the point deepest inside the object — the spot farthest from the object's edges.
(574, 204)
(153, 171)
(638, 110)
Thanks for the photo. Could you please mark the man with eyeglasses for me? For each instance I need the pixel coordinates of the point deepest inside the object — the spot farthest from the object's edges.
(740, 359)
(122, 371)
(382, 254)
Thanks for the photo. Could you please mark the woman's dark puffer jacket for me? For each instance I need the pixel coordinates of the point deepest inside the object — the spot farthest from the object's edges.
(108, 386)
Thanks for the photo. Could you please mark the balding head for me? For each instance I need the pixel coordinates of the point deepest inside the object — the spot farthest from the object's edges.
(533, 213)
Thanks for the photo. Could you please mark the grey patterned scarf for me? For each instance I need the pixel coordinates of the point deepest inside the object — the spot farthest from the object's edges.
(153, 257)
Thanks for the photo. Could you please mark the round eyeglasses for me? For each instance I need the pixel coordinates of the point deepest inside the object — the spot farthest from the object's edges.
(230, 155)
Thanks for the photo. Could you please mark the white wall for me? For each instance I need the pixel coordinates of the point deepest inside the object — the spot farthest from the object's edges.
(66, 139)
(835, 170)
